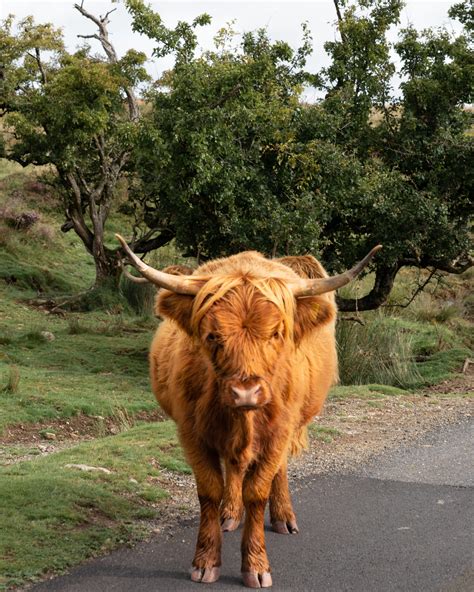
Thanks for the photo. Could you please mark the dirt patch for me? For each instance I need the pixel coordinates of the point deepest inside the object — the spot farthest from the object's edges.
(464, 383)
(367, 428)
(76, 428)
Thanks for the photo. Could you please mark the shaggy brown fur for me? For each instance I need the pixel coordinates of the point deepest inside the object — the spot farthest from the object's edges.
(242, 368)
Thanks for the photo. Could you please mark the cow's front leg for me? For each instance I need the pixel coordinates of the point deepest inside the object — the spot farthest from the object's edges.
(210, 487)
(282, 516)
(255, 564)
(232, 506)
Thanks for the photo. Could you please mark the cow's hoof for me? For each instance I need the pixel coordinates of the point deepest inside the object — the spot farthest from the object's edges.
(282, 527)
(206, 575)
(257, 580)
(230, 524)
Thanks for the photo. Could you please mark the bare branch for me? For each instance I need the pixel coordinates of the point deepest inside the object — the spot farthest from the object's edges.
(76, 214)
(103, 38)
(93, 36)
(460, 265)
(144, 245)
(105, 19)
(37, 58)
(340, 20)
(353, 319)
(419, 289)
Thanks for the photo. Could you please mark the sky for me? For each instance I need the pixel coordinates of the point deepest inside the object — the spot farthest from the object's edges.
(282, 18)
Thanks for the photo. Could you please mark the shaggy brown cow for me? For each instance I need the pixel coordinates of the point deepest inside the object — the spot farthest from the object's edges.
(243, 361)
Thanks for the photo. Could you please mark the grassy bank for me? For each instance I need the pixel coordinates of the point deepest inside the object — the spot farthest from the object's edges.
(53, 513)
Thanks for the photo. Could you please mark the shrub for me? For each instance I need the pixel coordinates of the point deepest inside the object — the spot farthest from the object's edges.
(13, 381)
(377, 352)
(43, 232)
(140, 297)
(426, 307)
(13, 217)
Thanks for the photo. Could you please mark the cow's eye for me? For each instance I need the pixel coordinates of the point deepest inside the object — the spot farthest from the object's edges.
(212, 338)
(276, 335)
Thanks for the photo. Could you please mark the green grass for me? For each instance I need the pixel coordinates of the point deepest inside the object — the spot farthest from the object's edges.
(323, 433)
(442, 365)
(52, 517)
(366, 391)
(101, 369)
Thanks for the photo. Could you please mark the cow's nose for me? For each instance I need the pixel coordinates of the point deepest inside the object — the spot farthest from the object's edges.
(246, 397)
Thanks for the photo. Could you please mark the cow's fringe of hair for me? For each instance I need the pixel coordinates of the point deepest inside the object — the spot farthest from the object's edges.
(274, 290)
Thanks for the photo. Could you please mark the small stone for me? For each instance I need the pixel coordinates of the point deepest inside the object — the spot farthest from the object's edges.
(134, 481)
(49, 435)
(47, 335)
(88, 468)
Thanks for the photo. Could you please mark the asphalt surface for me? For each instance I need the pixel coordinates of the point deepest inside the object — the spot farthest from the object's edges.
(403, 523)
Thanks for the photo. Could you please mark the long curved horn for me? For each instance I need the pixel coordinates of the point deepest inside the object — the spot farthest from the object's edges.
(317, 286)
(132, 278)
(176, 283)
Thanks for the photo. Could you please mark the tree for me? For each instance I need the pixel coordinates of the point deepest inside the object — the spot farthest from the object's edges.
(249, 165)
(222, 127)
(417, 192)
(79, 113)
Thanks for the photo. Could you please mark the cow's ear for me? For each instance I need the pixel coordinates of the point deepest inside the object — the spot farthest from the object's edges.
(178, 307)
(312, 312)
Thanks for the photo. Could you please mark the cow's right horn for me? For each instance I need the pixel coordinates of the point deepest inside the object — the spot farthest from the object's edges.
(180, 284)
(313, 287)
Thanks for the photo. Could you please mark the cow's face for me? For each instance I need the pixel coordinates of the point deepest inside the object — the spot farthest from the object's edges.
(245, 338)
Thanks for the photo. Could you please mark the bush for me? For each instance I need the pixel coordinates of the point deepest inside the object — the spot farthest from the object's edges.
(106, 298)
(43, 233)
(13, 381)
(15, 216)
(378, 352)
(140, 297)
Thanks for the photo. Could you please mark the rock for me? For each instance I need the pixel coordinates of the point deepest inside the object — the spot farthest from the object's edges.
(48, 336)
(134, 481)
(49, 435)
(88, 468)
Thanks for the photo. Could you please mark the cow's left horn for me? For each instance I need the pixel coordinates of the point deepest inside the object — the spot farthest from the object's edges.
(180, 284)
(317, 286)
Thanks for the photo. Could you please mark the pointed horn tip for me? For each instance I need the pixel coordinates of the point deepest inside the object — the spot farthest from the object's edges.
(373, 252)
(120, 239)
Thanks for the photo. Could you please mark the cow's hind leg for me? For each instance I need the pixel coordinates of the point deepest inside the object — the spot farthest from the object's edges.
(282, 516)
(210, 487)
(232, 505)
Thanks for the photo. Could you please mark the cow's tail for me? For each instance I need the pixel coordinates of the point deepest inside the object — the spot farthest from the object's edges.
(300, 441)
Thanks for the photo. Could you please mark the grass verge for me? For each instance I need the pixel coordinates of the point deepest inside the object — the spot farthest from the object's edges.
(52, 516)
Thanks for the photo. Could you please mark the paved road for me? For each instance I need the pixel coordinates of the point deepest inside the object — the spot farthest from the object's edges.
(402, 524)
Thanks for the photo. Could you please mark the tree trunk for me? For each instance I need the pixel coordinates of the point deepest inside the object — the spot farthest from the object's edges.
(384, 278)
(107, 270)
